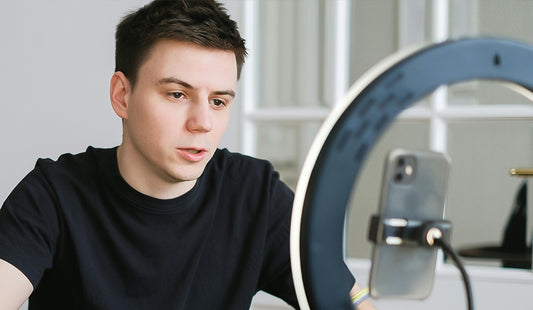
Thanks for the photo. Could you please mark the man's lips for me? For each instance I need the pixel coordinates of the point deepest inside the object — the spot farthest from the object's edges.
(193, 151)
(193, 154)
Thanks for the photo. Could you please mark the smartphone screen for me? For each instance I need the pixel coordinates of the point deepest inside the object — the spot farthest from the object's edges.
(414, 187)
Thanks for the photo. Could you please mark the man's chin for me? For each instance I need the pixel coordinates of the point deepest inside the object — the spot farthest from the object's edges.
(189, 176)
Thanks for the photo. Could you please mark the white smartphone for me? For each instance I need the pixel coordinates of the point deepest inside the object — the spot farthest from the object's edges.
(414, 188)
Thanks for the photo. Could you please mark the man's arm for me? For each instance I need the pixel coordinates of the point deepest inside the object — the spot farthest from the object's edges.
(15, 288)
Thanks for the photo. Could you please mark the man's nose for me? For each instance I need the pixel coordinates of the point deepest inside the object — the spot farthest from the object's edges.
(199, 118)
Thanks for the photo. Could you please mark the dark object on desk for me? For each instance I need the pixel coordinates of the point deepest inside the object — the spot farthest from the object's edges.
(513, 251)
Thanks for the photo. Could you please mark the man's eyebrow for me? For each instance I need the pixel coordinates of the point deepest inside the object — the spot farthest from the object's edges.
(172, 80)
(230, 93)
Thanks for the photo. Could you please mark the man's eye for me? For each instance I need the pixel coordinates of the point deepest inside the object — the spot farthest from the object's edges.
(177, 95)
(218, 102)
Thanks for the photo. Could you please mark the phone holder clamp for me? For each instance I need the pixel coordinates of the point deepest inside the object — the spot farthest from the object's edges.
(407, 232)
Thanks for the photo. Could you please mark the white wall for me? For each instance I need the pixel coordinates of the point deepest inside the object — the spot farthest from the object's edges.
(56, 59)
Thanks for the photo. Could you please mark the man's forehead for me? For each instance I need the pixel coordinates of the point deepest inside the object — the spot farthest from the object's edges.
(176, 61)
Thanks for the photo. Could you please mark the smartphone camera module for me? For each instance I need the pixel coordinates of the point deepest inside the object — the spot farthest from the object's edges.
(404, 171)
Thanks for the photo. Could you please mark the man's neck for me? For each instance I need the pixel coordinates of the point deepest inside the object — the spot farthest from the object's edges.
(146, 181)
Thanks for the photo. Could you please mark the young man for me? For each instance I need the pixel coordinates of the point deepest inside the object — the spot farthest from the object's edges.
(165, 220)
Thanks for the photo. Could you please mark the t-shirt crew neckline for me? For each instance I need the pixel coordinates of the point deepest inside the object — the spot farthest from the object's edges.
(148, 203)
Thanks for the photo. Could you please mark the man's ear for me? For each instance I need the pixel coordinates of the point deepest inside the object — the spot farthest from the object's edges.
(119, 92)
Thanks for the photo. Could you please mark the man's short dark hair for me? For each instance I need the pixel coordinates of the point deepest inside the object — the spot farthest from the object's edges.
(202, 22)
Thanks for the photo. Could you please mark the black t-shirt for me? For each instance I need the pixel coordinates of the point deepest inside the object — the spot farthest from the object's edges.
(87, 240)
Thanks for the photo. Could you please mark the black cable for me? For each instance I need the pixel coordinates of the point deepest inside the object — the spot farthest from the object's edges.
(466, 280)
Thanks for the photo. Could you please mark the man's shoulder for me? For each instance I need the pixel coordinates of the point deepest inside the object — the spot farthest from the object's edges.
(241, 164)
(91, 153)
(235, 158)
(88, 161)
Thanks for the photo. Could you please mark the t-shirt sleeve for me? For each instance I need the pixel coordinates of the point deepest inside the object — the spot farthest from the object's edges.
(29, 227)
(280, 283)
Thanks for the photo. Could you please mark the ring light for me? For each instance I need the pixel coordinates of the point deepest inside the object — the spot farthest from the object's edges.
(350, 131)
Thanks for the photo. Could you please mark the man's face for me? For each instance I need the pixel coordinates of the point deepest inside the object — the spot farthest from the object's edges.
(178, 110)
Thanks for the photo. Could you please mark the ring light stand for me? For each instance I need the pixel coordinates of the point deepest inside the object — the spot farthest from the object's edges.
(349, 133)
